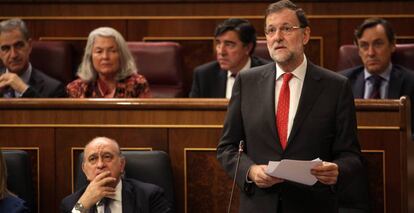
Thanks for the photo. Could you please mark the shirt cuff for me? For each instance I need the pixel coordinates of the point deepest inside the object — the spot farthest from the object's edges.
(22, 93)
(75, 211)
(247, 177)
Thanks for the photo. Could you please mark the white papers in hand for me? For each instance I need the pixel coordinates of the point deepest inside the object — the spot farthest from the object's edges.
(294, 170)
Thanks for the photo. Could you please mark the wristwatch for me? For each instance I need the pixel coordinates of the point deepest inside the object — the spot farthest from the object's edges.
(80, 207)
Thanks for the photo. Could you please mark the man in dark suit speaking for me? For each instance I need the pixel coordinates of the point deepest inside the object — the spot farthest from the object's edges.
(291, 109)
(18, 79)
(235, 41)
(103, 165)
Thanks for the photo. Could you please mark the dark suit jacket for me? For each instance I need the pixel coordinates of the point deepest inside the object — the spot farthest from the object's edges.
(401, 83)
(137, 197)
(42, 86)
(324, 127)
(209, 80)
(12, 204)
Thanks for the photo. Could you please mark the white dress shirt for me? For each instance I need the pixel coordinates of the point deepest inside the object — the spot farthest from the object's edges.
(115, 204)
(384, 84)
(295, 87)
(231, 79)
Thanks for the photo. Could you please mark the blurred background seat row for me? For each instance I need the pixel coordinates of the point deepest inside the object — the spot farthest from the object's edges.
(160, 62)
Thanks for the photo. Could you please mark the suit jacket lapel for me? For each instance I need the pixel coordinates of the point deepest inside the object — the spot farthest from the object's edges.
(267, 84)
(359, 85)
(35, 82)
(312, 87)
(221, 83)
(396, 81)
(128, 198)
(254, 62)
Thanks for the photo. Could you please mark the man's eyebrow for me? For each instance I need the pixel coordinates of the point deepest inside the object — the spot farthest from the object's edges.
(229, 42)
(18, 42)
(91, 155)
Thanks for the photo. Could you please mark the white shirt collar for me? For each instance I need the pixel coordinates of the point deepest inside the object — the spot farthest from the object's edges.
(299, 72)
(246, 67)
(118, 192)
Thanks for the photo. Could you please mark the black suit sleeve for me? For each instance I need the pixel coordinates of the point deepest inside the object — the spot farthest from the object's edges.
(346, 148)
(59, 92)
(195, 88)
(30, 93)
(233, 132)
(158, 202)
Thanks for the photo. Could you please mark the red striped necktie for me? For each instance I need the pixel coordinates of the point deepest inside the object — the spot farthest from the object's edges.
(282, 114)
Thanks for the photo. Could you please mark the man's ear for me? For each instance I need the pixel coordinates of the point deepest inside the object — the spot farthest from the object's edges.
(84, 171)
(306, 35)
(249, 48)
(83, 167)
(393, 46)
(29, 42)
(123, 162)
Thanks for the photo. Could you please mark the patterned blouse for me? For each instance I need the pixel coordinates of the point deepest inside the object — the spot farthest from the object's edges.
(134, 86)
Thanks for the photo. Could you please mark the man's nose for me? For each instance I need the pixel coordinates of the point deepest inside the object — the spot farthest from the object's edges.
(278, 36)
(101, 163)
(371, 50)
(221, 49)
(13, 52)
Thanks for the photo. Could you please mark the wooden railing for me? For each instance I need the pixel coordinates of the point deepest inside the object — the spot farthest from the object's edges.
(189, 130)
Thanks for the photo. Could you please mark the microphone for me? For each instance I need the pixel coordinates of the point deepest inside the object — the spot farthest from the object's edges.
(241, 145)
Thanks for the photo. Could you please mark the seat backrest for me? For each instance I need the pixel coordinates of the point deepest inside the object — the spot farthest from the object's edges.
(348, 56)
(19, 180)
(161, 64)
(54, 58)
(146, 166)
(261, 50)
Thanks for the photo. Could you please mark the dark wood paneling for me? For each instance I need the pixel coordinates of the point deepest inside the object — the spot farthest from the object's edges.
(41, 139)
(189, 130)
(207, 8)
(209, 187)
(376, 176)
(180, 140)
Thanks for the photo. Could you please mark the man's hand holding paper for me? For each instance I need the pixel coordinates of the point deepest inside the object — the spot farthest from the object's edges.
(305, 172)
(327, 173)
(259, 176)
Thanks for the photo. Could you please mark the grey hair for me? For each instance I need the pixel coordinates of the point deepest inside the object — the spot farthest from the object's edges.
(87, 72)
(11, 24)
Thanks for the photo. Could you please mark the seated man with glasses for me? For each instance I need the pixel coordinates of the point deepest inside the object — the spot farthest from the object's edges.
(103, 165)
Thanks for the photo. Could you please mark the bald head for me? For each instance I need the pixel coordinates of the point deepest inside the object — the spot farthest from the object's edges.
(103, 154)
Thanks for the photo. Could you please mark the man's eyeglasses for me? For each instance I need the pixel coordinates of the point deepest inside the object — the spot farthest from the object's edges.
(284, 30)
